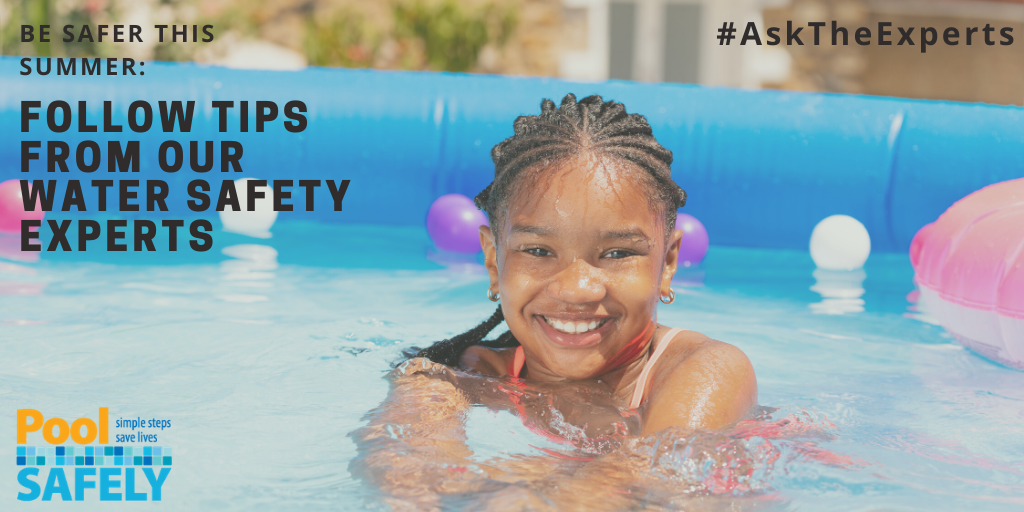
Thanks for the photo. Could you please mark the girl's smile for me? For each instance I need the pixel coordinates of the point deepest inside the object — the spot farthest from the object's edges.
(574, 330)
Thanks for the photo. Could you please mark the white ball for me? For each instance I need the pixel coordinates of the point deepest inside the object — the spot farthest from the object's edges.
(840, 242)
(256, 223)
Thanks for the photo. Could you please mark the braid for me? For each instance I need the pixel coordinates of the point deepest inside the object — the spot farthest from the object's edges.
(557, 134)
(449, 351)
(589, 124)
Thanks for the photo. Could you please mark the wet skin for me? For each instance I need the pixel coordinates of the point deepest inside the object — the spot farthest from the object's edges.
(584, 247)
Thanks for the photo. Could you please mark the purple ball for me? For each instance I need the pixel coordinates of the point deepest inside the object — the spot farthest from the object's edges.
(453, 223)
(694, 245)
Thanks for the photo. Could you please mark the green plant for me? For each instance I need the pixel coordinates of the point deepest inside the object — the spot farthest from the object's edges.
(55, 14)
(452, 35)
(343, 39)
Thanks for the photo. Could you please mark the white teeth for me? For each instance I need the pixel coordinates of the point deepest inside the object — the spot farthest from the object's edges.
(573, 327)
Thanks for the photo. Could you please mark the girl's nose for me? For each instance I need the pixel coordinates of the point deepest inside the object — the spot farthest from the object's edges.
(577, 283)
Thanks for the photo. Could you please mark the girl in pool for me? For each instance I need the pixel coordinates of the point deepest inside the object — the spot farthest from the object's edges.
(580, 250)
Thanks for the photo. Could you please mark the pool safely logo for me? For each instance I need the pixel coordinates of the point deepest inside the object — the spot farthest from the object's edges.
(108, 484)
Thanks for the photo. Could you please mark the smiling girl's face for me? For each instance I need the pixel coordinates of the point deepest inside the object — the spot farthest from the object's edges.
(580, 259)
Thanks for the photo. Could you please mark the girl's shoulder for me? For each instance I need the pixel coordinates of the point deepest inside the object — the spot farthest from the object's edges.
(691, 345)
(486, 360)
(704, 382)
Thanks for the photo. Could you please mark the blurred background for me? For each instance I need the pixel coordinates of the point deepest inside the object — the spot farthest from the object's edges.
(643, 40)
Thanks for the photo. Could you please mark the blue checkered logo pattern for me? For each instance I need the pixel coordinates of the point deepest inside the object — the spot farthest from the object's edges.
(94, 455)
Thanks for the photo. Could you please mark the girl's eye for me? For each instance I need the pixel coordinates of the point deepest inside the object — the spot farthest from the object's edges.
(538, 251)
(617, 254)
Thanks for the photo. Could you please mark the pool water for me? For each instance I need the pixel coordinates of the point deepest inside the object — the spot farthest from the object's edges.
(266, 354)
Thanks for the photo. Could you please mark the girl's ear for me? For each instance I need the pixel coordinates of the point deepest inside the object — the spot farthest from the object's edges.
(671, 260)
(491, 255)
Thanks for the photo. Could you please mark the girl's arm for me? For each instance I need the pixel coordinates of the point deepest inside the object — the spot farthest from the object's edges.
(414, 447)
(665, 470)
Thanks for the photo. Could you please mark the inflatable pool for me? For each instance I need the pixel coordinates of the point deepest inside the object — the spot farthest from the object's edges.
(969, 266)
(267, 352)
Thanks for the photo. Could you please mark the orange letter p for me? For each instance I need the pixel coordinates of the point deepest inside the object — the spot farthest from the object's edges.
(24, 427)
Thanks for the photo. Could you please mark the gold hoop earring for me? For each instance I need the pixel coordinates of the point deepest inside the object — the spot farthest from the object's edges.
(671, 297)
(493, 297)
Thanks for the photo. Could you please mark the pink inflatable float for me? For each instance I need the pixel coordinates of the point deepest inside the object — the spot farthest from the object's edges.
(12, 209)
(969, 266)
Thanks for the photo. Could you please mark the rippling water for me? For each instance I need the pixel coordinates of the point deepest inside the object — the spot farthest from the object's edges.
(267, 356)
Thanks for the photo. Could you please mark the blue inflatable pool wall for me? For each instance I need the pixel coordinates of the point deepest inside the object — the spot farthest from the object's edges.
(761, 167)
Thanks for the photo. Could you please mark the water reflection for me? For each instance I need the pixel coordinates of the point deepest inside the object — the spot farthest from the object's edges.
(688, 277)
(457, 261)
(251, 269)
(10, 249)
(840, 290)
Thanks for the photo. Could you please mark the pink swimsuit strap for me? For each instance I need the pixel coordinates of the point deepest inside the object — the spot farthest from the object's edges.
(517, 362)
(641, 382)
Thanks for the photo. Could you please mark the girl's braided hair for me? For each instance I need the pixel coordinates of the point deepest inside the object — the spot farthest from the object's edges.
(554, 136)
